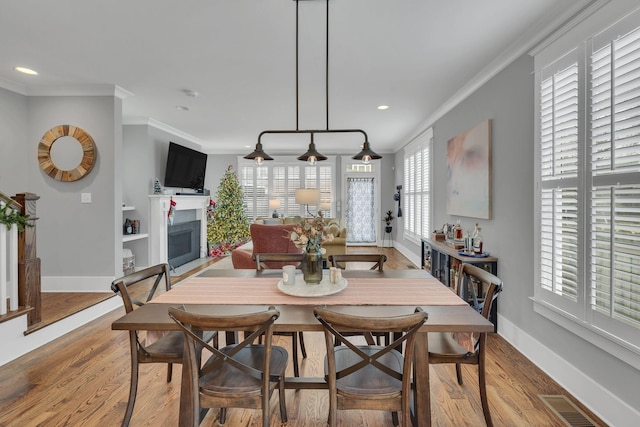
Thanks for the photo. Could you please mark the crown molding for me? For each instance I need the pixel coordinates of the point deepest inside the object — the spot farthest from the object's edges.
(79, 90)
(551, 23)
(13, 86)
(147, 121)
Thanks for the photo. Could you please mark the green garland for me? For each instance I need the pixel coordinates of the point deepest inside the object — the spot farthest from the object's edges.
(10, 216)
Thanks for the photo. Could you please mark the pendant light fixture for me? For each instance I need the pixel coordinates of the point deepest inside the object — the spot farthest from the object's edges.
(312, 156)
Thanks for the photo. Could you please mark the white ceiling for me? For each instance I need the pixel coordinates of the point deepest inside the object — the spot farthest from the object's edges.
(239, 55)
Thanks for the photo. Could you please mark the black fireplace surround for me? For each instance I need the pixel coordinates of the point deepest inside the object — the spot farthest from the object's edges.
(183, 243)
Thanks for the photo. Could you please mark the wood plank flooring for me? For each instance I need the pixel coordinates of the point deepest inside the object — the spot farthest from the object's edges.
(82, 379)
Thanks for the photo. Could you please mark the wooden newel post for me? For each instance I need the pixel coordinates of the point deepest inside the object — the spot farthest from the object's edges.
(29, 294)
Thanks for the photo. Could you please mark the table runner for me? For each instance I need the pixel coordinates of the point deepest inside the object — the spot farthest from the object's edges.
(360, 291)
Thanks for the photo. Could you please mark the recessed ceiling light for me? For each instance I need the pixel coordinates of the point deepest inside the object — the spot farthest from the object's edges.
(191, 93)
(382, 107)
(182, 108)
(26, 71)
(247, 146)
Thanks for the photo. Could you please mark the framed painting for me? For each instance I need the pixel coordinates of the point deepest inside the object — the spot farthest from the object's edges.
(469, 172)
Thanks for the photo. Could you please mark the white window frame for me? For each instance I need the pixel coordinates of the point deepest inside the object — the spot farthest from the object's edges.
(309, 177)
(576, 314)
(416, 211)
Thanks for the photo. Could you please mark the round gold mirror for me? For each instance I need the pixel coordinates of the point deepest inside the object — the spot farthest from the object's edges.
(66, 153)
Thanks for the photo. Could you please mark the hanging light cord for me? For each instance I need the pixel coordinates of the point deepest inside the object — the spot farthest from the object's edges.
(313, 131)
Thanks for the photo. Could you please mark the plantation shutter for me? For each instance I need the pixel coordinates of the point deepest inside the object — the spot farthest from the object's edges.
(559, 220)
(615, 191)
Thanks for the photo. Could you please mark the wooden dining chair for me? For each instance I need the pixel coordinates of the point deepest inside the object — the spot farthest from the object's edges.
(481, 289)
(370, 377)
(378, 260)
(340, 260)
(242, 375)
(169, 346)
(285, 259)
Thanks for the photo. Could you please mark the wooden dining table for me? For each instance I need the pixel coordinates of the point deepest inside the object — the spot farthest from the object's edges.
(368, 293)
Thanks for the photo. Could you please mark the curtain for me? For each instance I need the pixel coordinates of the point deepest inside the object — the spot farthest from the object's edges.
(360, 214)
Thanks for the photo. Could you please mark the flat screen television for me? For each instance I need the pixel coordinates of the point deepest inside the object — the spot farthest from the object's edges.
(185, 167)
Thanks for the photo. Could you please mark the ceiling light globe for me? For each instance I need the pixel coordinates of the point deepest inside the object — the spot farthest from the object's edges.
(258, 160)
(366, 159)
(312, 160)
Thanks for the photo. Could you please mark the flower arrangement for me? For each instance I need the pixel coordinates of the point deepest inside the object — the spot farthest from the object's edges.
(310, 235)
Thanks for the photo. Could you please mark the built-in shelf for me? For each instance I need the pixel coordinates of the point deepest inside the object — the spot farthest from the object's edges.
(128, 208)
(132, 237)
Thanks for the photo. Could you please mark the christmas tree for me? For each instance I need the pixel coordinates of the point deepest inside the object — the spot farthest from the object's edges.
(228, 226)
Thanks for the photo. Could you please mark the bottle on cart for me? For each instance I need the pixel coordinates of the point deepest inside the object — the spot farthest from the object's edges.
(477, 240)
(457, 231)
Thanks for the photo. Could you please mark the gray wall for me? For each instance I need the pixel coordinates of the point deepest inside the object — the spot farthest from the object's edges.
(13, 155)
(508, 100)
(77, 239)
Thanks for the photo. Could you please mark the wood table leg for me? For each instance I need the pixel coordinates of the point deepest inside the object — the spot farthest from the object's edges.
(422, 394)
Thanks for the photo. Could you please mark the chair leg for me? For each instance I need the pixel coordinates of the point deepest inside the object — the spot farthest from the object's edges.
(459, 373)
(294, 344)
(222, 418)
(302, 347)
(482, 381)
(133, 386)
(169, 371)
(283, 407)
(394, 418)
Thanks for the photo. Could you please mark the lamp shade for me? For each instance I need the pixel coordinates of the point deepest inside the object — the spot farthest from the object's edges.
(367, 154)
(325, 206)
(307, 196)
(274, 203)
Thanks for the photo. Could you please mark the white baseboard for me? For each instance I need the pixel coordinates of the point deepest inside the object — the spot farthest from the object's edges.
(599, 400)
(76, 284)
(415, 259)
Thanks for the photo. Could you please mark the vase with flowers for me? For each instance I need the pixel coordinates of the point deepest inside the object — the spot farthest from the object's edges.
(309, 236)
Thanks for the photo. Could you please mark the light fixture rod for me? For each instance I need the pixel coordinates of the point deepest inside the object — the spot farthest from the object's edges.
(297, 86)
(312, 131)
(326, 74)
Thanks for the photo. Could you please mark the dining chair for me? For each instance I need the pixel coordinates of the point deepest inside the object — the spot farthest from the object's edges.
(370, 377)
(285, 259)
(163, 347)
(481, 289)
(340, 260)
(378, 260)
(242, 375)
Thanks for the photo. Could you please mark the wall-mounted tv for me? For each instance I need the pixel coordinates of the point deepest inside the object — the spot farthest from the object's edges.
(185, 167)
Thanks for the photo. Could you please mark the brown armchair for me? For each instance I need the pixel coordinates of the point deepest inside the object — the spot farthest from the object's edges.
(267, 239)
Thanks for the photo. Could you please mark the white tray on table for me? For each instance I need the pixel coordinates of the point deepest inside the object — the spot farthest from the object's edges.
(303, 289)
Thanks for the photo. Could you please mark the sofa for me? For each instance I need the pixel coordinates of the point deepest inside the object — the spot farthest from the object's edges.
(266, 239)
(337, 246)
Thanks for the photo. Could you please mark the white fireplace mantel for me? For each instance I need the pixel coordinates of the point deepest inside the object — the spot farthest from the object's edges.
(159, 221)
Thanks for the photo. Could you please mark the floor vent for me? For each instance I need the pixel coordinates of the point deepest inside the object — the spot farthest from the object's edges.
(569, 413)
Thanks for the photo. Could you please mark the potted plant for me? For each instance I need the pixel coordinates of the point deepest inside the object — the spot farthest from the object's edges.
(387, 219)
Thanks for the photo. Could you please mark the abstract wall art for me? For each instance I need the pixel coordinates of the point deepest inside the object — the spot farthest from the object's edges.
(469, 172)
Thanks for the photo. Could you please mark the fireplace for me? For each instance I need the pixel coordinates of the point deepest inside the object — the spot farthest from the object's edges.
(183, 243)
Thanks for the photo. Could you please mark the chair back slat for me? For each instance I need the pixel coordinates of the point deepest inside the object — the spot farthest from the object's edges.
(263, 260)
(340, 260)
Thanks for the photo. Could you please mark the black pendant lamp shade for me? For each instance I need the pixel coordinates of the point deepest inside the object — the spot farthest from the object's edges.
(367, 154)
(312, 156)
(258, 155)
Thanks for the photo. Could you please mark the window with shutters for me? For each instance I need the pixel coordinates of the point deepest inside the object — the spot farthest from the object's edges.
(589, 187)
(279, 180)
(416, 189)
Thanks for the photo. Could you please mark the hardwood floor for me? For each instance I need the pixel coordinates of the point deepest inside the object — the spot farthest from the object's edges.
(82, 379)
